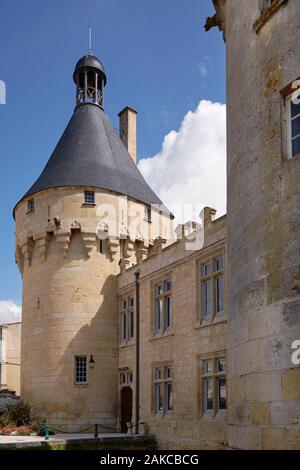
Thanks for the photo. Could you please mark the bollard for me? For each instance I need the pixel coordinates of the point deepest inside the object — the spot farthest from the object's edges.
(96, 435)
(46, 432)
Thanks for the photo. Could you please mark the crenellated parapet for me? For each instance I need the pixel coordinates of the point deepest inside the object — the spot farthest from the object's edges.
(31, 245)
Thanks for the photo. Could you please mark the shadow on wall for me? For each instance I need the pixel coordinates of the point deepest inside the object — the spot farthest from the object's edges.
(79, 333)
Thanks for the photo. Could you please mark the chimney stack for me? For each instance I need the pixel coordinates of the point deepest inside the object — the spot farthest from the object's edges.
(128, 130)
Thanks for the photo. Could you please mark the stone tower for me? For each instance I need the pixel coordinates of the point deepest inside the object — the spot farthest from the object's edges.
(88, 214)
(263, 64)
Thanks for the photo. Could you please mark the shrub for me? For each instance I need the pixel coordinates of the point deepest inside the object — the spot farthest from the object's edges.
(39, 426)
(18, 414)
(4, 421)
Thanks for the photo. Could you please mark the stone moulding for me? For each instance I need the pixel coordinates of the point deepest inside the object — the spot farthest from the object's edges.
(39, 243)
(89, 240)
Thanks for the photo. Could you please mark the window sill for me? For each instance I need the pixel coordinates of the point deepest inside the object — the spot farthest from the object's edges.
(86, 204)
(163, 415)
(30, 212)
(127, 344)
(81, 385)
(162, 334)
(217, 319)
(221, 415)
(211, 416)
(266, 15)
(293, 157)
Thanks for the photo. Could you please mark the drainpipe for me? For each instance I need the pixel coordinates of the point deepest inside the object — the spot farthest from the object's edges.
(137, 350)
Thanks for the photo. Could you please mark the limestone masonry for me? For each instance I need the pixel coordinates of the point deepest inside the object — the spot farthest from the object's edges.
(219, 304)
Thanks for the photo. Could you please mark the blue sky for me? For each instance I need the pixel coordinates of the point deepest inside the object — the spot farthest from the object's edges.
(158, 59)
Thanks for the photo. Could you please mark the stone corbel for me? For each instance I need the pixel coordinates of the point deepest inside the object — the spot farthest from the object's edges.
(42, 246)
(141, 255)
(19, 258)
(124, 264)
(113, 246)
(27, 251)
(63, 240)
(89, 240)
(158, 244)
(129, 248)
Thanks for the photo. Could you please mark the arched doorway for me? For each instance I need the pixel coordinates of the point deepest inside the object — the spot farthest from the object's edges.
(126, 408)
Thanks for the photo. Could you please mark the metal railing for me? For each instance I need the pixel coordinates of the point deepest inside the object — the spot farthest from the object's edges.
(94, 427)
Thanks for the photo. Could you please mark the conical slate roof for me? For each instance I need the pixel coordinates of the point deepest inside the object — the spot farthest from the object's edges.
(91, 154)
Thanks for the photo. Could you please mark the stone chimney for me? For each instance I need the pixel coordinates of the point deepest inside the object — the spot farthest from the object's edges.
(128, 130)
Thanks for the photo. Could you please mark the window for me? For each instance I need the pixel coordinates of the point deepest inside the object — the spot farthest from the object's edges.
(147, 213)
(89, 197)
(212, 287)
(293, 123)
(163, 389)
(213, 384)
(126, 377)
(80, 369)
(30, 206)
(126, 319)
(162, 306)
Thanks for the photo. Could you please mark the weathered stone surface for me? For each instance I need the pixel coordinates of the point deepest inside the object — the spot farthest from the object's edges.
(70, 303)
(263, 221)
(273, 439)
(291, 384)
(183, 345)
(260, 413)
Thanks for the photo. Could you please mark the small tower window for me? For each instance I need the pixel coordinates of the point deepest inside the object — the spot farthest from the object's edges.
(147, 213)
(80, 370)
(30, 206)
(89, 197)
(293, 124)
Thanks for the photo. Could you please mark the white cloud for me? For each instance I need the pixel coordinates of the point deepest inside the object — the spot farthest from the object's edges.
(191, 166)
(202, 69)
(10, 312)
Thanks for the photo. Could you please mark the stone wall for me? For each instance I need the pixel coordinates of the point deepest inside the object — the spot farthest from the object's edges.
(70, 300)
(263, 226)
(10, 345)
(187, 427)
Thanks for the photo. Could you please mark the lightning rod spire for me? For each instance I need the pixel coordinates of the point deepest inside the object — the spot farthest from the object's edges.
(90, 40)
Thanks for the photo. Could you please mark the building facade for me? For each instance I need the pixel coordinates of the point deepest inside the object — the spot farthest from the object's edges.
(10, 357)
(182, 338)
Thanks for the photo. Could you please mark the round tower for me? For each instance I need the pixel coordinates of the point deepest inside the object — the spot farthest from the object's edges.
(81, 220)
(263, 221)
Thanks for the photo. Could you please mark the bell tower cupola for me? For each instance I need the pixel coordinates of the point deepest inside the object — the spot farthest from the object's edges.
(90, 79)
